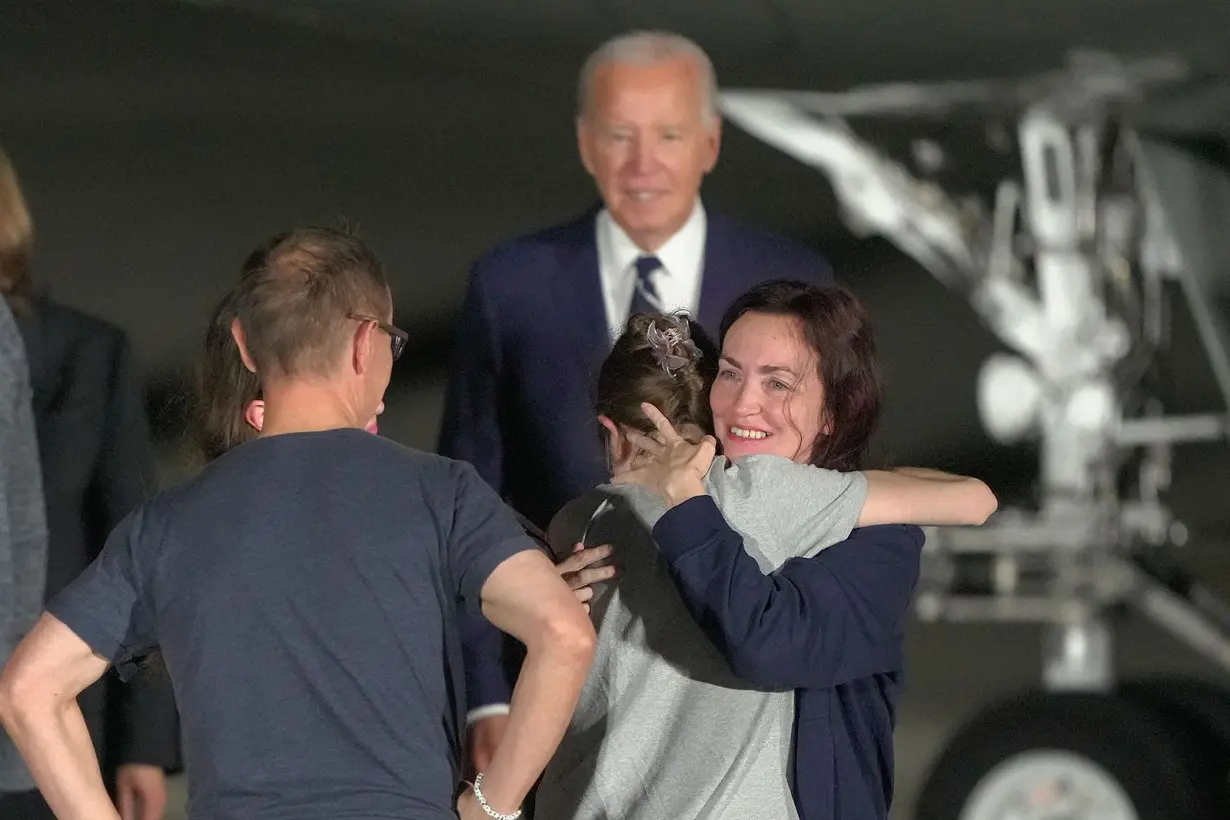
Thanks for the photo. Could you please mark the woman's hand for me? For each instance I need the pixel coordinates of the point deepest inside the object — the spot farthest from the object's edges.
(669, 464)
(578, 571)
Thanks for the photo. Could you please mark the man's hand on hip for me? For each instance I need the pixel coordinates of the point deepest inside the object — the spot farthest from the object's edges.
(485, 737)
(140, 791)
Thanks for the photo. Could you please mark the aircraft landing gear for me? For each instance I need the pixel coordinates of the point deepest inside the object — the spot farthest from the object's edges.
(1144, 753)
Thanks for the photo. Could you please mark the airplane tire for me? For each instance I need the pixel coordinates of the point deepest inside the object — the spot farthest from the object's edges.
(1078, 755)
(1203, 709)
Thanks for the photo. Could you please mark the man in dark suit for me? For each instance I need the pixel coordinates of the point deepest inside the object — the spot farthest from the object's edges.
(97, 464)
(541, 311)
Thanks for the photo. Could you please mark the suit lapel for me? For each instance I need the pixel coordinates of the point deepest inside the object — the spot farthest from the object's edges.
(577, 294)
(722, 280)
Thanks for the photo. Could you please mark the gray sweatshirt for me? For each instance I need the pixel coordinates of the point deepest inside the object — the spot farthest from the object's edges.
(663, 729)
(23, 521)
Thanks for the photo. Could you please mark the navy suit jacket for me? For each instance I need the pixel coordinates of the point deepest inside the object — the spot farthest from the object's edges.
(531, 337)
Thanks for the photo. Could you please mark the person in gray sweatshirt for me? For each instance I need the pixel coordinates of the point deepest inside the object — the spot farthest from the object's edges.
(663, 727)
(23, 533)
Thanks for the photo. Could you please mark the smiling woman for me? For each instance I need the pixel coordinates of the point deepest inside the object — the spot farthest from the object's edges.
(665, 677)
(787, 609)
(798, 376)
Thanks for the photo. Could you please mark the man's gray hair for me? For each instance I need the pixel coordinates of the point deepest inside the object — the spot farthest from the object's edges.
(648, 48)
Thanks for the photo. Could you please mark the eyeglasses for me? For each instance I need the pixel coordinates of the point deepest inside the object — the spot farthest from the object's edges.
(397, 336)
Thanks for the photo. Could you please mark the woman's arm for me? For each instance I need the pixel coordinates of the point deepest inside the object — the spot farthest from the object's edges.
(914, 495)
(816, 622)
(675, 469)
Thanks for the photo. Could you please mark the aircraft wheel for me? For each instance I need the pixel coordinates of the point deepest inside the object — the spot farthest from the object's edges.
(1203, 709)
(1045, 756)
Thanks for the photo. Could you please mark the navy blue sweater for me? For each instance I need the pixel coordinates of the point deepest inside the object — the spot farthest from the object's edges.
(830, 627)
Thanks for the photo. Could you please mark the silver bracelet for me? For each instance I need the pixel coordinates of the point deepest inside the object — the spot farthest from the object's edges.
(482, 801)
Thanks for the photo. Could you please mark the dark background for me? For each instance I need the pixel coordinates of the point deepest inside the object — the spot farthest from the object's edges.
(158, 142)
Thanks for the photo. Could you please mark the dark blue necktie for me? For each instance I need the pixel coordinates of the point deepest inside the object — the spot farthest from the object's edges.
(645, 297)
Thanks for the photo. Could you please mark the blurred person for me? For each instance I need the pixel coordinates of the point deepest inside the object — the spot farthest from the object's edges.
(303, 591)
(97, 463)
(641, 744)
(540, 312)
(23, 537)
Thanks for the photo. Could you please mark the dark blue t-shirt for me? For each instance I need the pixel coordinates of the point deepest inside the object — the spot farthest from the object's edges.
(304, 592)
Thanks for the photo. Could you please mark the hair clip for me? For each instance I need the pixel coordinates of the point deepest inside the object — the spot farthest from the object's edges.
(672, 347)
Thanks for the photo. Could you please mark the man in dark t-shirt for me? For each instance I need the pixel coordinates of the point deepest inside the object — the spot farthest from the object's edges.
(237, 569)
(304, 592)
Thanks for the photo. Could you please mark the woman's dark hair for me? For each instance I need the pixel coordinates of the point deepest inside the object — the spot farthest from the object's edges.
(636, 371)
(835, 326)
(224, 388)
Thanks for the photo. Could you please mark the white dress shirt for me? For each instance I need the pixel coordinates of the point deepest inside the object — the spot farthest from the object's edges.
(677, 282)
